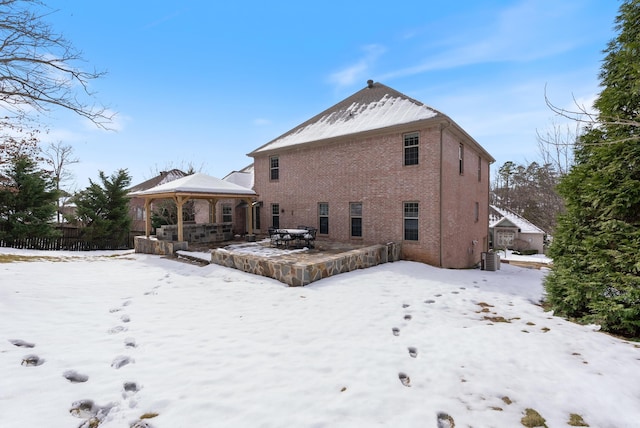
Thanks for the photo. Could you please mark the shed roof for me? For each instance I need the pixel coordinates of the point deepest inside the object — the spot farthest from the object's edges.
(502, 217)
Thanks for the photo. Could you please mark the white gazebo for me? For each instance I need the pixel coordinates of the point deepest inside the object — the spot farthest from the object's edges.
(190, 187)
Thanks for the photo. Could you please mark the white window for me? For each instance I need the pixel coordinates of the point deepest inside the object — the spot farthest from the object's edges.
(504, 238)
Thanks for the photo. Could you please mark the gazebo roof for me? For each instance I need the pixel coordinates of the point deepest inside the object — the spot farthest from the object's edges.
(196, 186)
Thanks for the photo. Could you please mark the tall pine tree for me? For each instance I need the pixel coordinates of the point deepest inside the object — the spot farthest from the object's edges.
(27, 201)
(596, 249)
(104, 209)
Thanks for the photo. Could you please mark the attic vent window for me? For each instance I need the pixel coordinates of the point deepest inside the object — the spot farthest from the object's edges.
(370, 83)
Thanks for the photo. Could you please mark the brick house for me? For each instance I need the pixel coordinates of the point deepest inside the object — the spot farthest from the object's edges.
(380, 167)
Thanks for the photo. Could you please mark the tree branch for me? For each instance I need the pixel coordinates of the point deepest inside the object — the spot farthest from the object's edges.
(38, 68)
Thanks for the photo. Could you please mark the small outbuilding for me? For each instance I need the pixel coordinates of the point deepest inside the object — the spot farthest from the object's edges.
(510, 231)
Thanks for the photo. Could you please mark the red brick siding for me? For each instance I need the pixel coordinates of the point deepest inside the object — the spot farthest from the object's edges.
(370, 170)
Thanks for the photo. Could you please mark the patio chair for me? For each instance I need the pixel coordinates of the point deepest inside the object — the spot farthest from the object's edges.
(274, 237)
(310, 236)
(285, 239)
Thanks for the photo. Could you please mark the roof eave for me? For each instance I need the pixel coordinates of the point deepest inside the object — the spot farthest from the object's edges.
(194, 195)
(347, 137)
(435, 120)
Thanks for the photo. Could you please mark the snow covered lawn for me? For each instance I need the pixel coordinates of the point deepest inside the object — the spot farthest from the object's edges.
(139, 340)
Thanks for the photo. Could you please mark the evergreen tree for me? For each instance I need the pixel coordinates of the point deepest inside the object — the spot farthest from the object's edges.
(596, 250)
(104, 209)
(27, 201)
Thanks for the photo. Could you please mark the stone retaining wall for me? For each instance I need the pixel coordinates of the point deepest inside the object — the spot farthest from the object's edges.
(197, 233)
(145, 245)
(297, 273)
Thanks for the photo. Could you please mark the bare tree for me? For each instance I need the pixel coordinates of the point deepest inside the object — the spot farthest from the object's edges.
(587, 119)
(555, 147)
(60, 156)
(38, 66)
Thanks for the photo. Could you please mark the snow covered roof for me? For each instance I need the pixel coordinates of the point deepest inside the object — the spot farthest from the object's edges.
(196, 183)
(374, 107)
(498, 216)
(163, 177)
(243, 178)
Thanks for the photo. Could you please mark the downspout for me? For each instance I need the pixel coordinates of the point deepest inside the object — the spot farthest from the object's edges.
(488, 204)
(443, 126)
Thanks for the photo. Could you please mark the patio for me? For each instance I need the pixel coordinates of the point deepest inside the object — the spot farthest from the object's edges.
(299, 267)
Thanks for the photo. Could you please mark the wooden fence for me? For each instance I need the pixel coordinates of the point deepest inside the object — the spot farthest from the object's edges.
(71, 240)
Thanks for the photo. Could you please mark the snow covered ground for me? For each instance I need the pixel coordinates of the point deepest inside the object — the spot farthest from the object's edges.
(139, 340)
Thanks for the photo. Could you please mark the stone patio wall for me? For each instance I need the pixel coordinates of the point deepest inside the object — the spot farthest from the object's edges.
(296, 273)
(145, 245)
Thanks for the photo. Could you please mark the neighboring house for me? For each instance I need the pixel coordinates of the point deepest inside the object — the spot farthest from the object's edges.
(136, 205)
(509, 230)
(380, 167)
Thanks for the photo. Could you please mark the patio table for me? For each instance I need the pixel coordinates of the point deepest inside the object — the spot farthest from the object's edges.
(299, 236)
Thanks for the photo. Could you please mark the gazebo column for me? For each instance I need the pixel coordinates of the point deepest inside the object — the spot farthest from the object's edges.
(147, 216)
(180, 201)
(250, 214)
(212, 210)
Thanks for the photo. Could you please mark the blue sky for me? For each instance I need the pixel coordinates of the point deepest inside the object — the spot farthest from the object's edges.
(204, 82)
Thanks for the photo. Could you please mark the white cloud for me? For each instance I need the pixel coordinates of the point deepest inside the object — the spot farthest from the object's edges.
(361, 69)
(261, 122)
(521, 33)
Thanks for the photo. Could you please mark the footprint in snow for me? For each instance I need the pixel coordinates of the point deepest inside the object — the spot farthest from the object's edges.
(32, 360)
(125, 318)
(91, 412)
(407, 317)
(445, 421)
(405, 305)
(75, 377)
(130, 342)
(121, 361)
(84, 409)
(117, 329)
(129, 389)
(396, 331)
(404, 379)
(429, 301)
(413, 352)
(21, 343)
